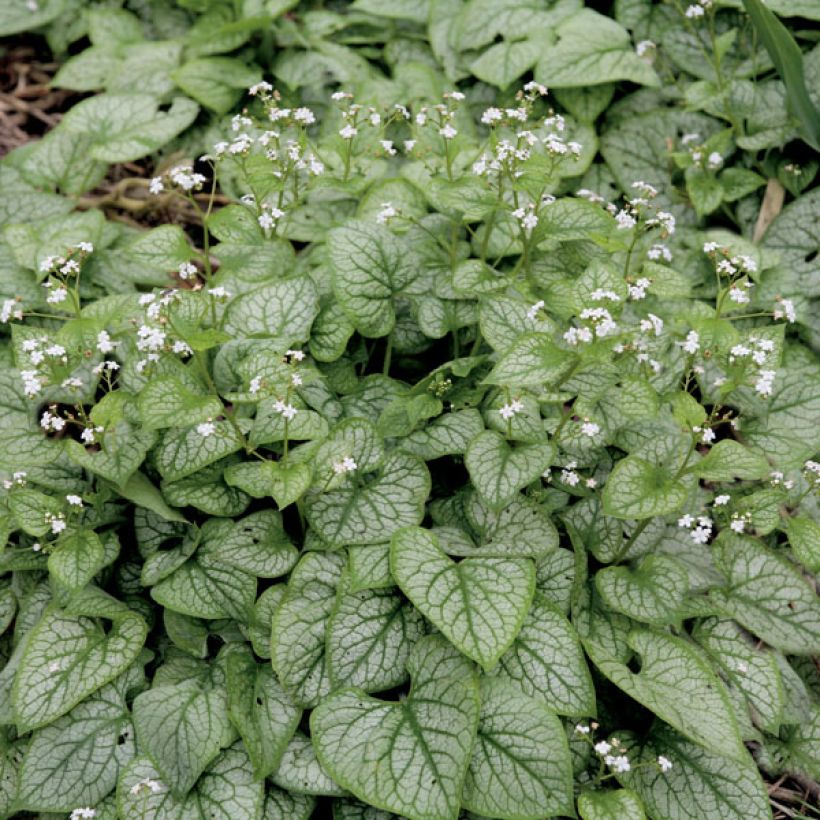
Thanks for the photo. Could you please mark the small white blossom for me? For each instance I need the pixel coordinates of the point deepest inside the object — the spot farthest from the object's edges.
(386, 213)
(694, 11)
(602, 747)
(665, 763)
(348, 132)
(620, 763)
(765, 382)
(722, 500)
(448, 132)
(206, 428)
(786, 310)
(532, 312)
(346, 465)
(10, 310)
(625, 220)
(186, 271)
(509, 410)
(590, 428)
(692, 343)
(646, 48)
(104, 343)
(714, 161)
(581, 729)
(83, 814)
(74, 500)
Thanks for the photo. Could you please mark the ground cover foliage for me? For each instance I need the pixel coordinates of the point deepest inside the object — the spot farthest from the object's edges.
(445, 449)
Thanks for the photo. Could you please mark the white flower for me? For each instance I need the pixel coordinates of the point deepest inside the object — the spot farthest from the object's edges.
(602, 747)
(638, 290)
(348, 132)
(295, 379)
(507, 411)
(737, 524)
(694, 11)
(206, 428)
(492, 115)
(714, 161)
(409, 145)
(386, 213)
(686, 520)
(659, 251)
(738, 296)
(104, 343)
(10, 310)
(533, 86)
(665, 763)
(652, 323)
(533, 310)
(57, 295)
(296, 355)
(645, 48)
(702, 533)
(74, 500)
(259, 88)
(448, 132)
(692, 343)
(346, 465)
(156, 186)
(581, 729)
(590, 428)
(722, 500)
(57, 523)
(266, 221)
(708, 436)
(765, 382)
(620, 763)
(187, 270)
(568, 474)
(341, 95)
(219, 293)
(387, 147)
(83, 814)
(304, 116)
(255, 385)
(32, 383)
(625, 220)
(787, 310)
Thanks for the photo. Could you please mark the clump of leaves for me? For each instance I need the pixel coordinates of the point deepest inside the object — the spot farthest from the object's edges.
(463, 465)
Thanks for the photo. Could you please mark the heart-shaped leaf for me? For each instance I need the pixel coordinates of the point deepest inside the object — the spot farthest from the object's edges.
(478, 603)
(638, 489)
(499, 471)
(411, 756)
(284, 483)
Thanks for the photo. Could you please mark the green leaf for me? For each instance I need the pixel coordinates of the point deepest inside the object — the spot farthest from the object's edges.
(163, 249)
(144, 494)
(78, 559)
(260, 710)
(209, 584)
(122, 451)
(804, 537)
(520, 766)
(728, 460)
(369, 638)
(677, 684)
(285, 484)
(788, 61)
(226, 791)
(505, 62)
(409, 757)
(618, 804)
(653, 592)
(592, 49)
(500, 471)
(216, 82)
(182, 729)
(166, 402)
(449, 434)
(767, 595)
(17, 16)
(370, 266)
(282, 805)
(638, 489)
(478, 603)
(76, 760)
(391, 500)
(534, 360)
(283, 311)
(701, 785)
(181, 452)
(298, 645)
(704, 189)
(125, 127)
(300, 771)
(67, 658)
(546, 661)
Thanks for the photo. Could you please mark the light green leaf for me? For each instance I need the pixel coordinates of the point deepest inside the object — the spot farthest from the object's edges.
(804, 537)
(638, 489)
(370, 267)
(258, 544)
(534, 360)
(166, 402)
(653, 592)
(298, 645)
(592, 49)
(68, 658)
(520, 766)
(500, 471)
(216, 82)
(767, 595)
(617, 804)
(226, 791)
(182, 728)
(677, 684)
(75, 761)
(282, 805)
(301, 772)
(369, 638)
(77, 560)
(163, 249)
(144, 494)
(409, 757)
(505, 62)
(448, 434)
(478, 603)
(125, 127)
(285, 484)
(728, 460)
(283, 311)
(546, 661)
(122, 450)
(17, 15)
(181, 452)
(393, 499)
(701, 785)
(260, 710)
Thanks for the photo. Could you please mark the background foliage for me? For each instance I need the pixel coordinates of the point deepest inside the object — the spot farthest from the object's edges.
(412, 452)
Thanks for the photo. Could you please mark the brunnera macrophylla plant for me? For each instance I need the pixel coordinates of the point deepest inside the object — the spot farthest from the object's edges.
(446, 472)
